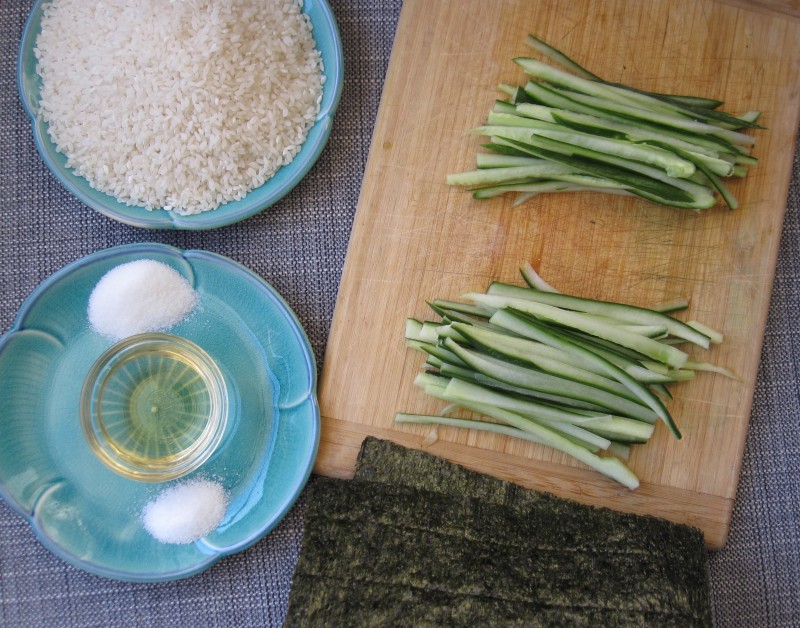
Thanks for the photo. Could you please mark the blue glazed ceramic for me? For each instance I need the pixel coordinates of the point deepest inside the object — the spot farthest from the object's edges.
(89, 515)
(326, 35)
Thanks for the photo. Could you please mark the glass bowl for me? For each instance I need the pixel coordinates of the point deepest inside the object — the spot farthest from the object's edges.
(154, 407)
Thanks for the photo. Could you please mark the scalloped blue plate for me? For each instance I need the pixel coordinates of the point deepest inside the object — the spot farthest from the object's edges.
(90, 516)
(326, 35)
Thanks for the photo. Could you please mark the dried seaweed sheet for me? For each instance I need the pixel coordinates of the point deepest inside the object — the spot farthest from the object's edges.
(385, 549)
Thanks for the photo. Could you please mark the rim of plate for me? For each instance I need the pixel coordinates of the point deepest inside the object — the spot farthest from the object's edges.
(328, 42)
(269, 523)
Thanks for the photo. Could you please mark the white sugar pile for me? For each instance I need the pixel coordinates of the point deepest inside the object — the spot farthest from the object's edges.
(139, 296)
(180, 105)
(185, 512)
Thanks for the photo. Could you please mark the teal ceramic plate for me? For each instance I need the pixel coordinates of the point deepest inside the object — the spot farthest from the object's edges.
(326, 35)
(90, 516)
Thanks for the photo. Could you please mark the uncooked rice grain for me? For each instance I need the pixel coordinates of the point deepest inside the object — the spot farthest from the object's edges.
(178, 104)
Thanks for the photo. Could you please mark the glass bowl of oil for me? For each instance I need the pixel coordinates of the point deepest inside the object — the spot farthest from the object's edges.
(154, 407)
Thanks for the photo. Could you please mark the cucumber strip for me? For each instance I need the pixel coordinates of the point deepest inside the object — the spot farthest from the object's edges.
(631, 366)
(745, 160)
(430, 331)
(547, 114)
(734, 138)
(526, 195)
(638, 104)
(512, 118)
(714, 336)
(598, 89)
(548, 359)
(621, 430)
(464, 391)
(582, 183)
(713, 368)
(573, 358)
(712, 159)
(595, 124)
(504, 106)
(544, 168)
(432, 361)
(467, 374)
(426, 379)
(537, 381)
(522, 198)
(494, 160)
(750, 116)
(600, 147)
(655, 186)
(673, 305)
(560, 58)
(552, 97)
(505, 150)
(506, 89)
(534, 279)
(458, 306)
(620, 311)
(627, 171)
(413, 329)
(575, 180)
(451, 316)
(437, 386)
(519, 95)
(442, 355)
(680, 100)
(692, 101)
(716, 165)
(467, 394)
(609, 466)
(719, 185)
(515, 93)
(651, 331)
(587, 439)
(530, 328)
(419, 331)
(531, 190)
(661, 389)
(448, 331)
(621, 450)
(711, 174)
(721, 118)
(591, 341)
(417, 345)
(555, 55)
(563, 432)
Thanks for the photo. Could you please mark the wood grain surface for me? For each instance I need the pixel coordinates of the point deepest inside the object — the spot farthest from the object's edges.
(414, 238)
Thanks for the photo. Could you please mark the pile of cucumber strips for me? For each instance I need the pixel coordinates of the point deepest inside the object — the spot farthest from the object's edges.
(567, 130)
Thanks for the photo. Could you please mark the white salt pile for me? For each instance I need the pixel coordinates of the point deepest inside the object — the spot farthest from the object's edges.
(178, 105)
(138, 297)
(186, 512)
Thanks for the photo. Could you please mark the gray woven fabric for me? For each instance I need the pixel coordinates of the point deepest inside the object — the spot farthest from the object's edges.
(299, 247)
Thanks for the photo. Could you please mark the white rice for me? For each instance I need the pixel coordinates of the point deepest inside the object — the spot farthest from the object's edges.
(178, 104)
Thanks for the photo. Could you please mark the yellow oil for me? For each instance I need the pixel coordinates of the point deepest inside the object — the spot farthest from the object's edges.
(155, 405)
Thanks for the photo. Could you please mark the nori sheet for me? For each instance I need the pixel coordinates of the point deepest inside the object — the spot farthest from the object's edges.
(415, 540)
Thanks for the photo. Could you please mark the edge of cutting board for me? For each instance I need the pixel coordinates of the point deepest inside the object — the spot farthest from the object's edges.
(341, 439)
(338, 452)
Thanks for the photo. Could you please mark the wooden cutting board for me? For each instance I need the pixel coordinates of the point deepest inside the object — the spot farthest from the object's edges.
(414, 238)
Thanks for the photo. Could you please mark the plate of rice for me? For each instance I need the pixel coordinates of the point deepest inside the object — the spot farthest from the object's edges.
(180, 115)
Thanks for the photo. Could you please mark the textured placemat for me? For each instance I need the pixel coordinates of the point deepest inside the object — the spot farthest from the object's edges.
(299, 247)
(416, 540)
